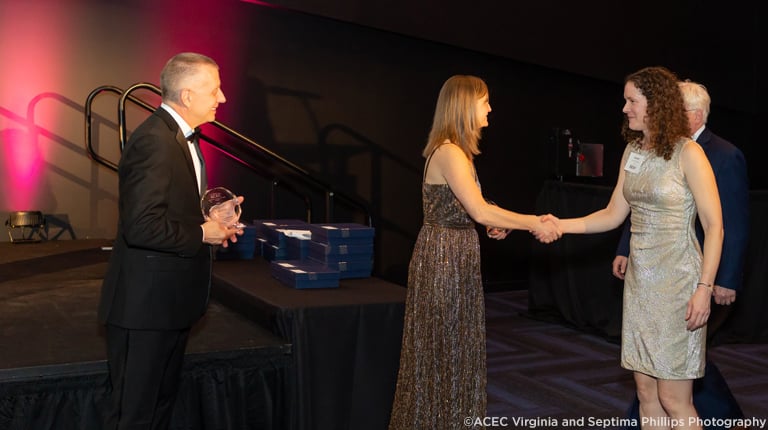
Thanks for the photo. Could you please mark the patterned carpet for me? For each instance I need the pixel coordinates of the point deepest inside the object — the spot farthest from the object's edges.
(542, 374)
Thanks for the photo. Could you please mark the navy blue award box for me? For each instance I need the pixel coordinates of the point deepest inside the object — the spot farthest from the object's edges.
(302, 274)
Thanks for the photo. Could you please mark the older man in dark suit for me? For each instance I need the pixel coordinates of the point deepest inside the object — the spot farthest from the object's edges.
(158, 279)
(711, 395)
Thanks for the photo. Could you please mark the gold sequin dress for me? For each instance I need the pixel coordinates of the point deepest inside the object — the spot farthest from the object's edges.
(662, 272)
(442, 375)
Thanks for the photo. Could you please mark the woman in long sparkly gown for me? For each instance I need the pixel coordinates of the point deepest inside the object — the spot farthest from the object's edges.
(665, 180)
(442, 378)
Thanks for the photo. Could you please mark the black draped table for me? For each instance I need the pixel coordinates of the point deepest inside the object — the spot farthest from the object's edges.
(571, 280)
(346, 341)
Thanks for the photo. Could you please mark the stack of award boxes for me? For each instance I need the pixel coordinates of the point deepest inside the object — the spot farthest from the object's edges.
(282, 239)
(284, 243)
(302, 274)
(335, 251)
(346, 247)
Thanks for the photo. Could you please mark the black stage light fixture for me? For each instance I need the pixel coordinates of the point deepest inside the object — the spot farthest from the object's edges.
(26, 226)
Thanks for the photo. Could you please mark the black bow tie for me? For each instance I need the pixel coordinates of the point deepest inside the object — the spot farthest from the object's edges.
(194, 136)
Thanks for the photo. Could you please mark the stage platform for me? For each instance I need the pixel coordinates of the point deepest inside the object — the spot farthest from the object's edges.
(53, 373)
(265, 356)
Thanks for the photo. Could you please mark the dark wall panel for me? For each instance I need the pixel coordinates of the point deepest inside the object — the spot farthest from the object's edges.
(355, 104)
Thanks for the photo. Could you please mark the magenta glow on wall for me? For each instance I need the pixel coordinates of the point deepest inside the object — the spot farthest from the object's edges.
(219, 30)
(33, 51)
(42, 47)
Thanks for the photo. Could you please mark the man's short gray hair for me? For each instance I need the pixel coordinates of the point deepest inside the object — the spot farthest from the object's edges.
(176, 69)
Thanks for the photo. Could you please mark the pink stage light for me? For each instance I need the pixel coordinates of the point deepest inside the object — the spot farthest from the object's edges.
(22, 170)
(32, 64)
(38, 42)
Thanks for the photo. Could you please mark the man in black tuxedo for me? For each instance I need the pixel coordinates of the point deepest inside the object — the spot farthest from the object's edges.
(711, 395)
(158, 279)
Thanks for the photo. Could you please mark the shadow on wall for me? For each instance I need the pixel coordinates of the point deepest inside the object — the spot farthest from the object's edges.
(289, 122)
(42, 169)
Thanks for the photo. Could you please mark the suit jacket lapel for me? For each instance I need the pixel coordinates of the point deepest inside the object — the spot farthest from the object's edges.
(184, 145)
(203, 176)
(181, 140)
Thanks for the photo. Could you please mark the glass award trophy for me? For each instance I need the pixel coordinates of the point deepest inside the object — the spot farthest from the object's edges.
(221, 205)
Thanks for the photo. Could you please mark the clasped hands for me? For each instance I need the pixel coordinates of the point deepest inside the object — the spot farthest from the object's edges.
(547, 231)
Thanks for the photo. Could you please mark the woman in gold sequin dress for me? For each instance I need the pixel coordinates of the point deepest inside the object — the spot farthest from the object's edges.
(665, 179)
(442, 377)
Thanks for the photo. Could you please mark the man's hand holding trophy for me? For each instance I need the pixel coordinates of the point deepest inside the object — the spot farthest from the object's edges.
(221, 206)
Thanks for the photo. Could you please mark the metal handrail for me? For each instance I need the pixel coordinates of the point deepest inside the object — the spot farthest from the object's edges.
(306, 176)
(89, 121)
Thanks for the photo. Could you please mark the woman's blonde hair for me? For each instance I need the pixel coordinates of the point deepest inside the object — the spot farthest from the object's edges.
(455, 115)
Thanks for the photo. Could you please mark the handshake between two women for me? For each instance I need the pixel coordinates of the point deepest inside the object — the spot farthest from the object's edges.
(548, 229)
(545, 228)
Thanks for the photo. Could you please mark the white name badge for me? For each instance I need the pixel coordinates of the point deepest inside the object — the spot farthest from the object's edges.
(633, 162)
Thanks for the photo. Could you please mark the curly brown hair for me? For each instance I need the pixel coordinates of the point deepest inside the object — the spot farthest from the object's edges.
(666, 119)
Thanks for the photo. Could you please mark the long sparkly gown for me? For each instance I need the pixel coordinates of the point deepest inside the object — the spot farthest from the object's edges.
(442, 377)
(663, 269)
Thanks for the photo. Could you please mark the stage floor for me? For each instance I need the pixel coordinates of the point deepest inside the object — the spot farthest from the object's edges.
(48, 326)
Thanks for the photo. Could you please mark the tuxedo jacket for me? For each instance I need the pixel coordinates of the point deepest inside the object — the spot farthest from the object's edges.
(730, 170)
(159, 272)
